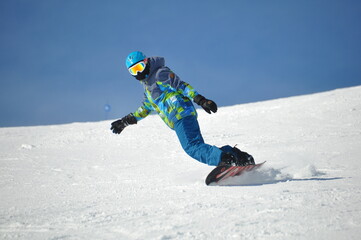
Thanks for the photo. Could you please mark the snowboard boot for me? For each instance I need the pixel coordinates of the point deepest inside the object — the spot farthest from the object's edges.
(236, 158)
(244, 157)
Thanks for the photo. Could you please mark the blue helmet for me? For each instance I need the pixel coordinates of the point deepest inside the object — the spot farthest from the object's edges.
(133, 58)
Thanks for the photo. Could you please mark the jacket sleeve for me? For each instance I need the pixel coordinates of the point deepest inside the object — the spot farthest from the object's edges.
(144, 110)
(166, 76)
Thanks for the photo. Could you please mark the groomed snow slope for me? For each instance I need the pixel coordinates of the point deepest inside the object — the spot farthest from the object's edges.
(79, 181)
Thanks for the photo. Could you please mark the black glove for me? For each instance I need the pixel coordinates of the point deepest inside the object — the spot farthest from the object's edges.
(208, 105)
(119, 125)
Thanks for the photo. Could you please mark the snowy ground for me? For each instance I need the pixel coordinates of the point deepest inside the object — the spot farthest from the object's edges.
(79, 181)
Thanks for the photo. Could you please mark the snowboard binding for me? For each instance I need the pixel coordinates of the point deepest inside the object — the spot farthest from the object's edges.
(235, 157)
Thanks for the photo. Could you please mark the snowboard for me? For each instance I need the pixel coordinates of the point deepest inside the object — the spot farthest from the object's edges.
(221, 173)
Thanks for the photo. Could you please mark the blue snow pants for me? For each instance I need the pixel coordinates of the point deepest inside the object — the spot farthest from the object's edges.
(191, 139)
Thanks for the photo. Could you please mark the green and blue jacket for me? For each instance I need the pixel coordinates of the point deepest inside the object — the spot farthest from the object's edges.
(166, 94)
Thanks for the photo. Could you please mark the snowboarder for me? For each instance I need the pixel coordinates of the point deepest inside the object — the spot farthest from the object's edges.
(171, 98)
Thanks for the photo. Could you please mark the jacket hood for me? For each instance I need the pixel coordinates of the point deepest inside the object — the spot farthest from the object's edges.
(155, 64)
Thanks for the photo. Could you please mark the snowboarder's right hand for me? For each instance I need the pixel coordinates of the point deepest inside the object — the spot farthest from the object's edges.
(119, 125)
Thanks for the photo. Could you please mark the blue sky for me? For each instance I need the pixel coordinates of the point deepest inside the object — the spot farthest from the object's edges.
(62, 60)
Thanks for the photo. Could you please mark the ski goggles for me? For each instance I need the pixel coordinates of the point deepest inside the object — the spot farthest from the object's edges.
(138, 67)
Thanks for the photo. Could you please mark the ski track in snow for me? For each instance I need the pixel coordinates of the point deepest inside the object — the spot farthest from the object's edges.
(79, 181)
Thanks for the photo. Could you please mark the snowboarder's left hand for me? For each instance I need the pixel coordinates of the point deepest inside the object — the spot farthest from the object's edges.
(119, 125)
(208, 105)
